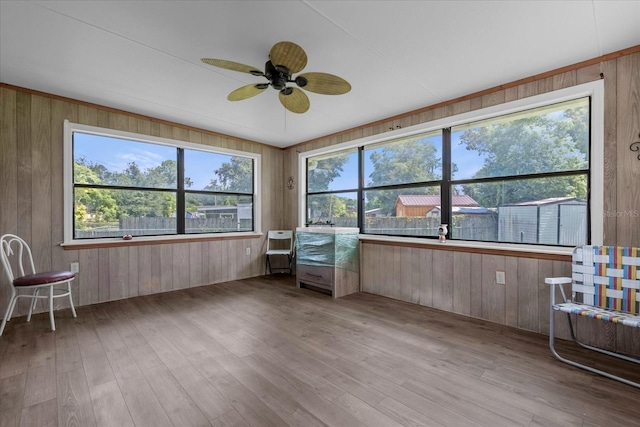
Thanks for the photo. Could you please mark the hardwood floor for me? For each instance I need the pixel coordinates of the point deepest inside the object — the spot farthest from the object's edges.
(259, 352)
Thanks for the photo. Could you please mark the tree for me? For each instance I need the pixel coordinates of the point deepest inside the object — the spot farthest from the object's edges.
(322, 172)
(325, 207)
(92, 204)
(164, 175)
(530, 145)
(235, 176)
(130, 202)
(410, 161)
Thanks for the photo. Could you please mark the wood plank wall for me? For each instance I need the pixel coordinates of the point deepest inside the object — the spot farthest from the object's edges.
(465, 282)
(31, 206)
(31, 194)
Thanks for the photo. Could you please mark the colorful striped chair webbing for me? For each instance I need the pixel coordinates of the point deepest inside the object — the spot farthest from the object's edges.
(607, 277)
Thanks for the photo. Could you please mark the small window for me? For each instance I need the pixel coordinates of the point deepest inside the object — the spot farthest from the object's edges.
(332, 183)
(402, 185)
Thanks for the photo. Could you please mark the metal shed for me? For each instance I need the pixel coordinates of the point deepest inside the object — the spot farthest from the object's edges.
(553, 221)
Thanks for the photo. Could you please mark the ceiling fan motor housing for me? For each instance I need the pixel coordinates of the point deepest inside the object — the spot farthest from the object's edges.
(279, 75)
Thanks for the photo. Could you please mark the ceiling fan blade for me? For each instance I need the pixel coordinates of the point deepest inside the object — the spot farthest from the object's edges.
(246, 92)
(288, 54)
(296, 102)
(324, 83)
(234, 66)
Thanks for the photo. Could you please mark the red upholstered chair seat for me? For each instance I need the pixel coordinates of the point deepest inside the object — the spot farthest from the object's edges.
(43, 278)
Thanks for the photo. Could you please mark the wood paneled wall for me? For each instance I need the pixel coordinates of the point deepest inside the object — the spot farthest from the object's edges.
(31, 196)
(465, 282)
(31, 206)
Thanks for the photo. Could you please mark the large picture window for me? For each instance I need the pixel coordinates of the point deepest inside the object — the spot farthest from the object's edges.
(125, 184)
(521, 175)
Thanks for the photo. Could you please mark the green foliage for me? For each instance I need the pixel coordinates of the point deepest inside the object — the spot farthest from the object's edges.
(322, 172)
(406, 162)
(94, 205)
(100, 205)
(320, 175)
(143, 196)
(235, 176)
(531, 145)
(324, 207)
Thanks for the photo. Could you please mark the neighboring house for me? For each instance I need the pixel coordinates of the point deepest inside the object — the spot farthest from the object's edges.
(218, 211)
(421, 205)
(241, 211)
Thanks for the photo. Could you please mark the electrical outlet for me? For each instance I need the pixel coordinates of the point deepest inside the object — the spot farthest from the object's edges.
(247, 251)
(500, 277)
(75, 267)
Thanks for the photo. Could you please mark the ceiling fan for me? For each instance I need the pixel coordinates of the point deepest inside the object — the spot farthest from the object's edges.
(285, 59)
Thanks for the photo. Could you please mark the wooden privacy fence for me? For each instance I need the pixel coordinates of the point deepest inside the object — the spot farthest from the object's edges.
(470, 227)
(149, 226)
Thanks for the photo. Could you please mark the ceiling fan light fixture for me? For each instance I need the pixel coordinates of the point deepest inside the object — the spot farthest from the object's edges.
(279, 83)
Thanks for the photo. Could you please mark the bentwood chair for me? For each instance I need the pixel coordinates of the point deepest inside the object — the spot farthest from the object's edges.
(16, 254)
(283, 236)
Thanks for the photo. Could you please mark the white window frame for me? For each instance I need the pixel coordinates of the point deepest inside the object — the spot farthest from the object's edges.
(70, 128)
(594, 90)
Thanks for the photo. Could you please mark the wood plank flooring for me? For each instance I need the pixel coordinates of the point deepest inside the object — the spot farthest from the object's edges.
(259, 352)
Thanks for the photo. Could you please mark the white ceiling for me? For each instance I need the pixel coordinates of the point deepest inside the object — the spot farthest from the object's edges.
(144, 56)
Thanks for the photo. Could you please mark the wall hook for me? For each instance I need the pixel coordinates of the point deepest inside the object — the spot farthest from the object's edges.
(635, 146)
(291, 183)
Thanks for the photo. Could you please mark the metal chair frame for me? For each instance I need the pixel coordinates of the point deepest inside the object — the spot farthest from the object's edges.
(27, 278)
(580, 272)
(574, 338)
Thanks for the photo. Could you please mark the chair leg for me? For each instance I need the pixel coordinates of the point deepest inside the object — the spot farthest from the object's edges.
(12, 304)
(573, 336)
(53, 322)
(73, 309)
(7, 315)
(267, 266)
(32, 305)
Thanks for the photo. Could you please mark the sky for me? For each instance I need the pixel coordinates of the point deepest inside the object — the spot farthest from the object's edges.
(116, 154)
(469, 162)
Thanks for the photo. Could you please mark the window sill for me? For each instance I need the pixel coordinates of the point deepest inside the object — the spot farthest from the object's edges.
(156, 240)
(487, 248)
